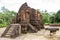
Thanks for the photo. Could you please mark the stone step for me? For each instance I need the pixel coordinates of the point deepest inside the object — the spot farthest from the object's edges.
(12, 30)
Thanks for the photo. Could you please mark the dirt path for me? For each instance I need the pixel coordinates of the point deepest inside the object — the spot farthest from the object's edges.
(41, 35)
(28, 36)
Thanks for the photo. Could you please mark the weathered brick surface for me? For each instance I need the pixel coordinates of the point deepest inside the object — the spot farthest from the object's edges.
(27, 15)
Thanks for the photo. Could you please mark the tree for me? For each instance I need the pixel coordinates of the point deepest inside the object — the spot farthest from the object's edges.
(6, 17)
(46, 17)
(57, 17)
(4, 9)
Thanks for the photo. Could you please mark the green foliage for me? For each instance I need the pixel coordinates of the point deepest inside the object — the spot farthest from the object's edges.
(1, 21)
(49, 19)
(46, 17)
(57, 17)
(6, 17)
(52, 18)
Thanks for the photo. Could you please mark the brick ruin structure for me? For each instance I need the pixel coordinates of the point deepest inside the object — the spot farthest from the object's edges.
(29, 19)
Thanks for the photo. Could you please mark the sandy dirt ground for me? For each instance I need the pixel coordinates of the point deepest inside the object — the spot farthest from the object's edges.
(40, 35)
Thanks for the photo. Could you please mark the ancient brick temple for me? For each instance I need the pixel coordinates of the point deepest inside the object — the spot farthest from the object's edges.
(29, 19)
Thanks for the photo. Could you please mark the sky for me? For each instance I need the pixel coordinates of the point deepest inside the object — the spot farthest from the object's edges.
(49, 5)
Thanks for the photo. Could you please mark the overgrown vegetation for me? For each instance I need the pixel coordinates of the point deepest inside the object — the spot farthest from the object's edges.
(51, 18)
(6, 17)
(48, 18)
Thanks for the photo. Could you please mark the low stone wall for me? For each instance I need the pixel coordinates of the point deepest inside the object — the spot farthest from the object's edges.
(55, 25)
